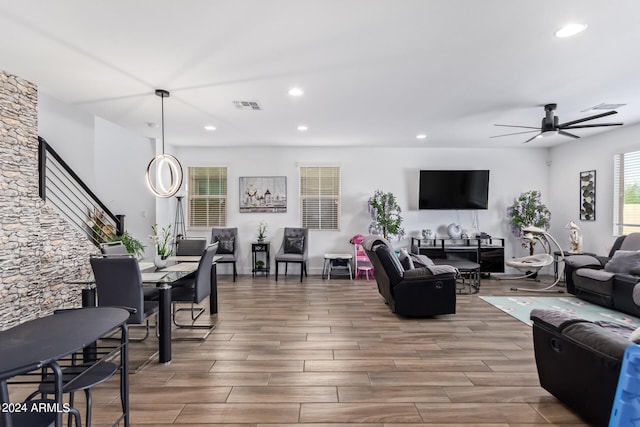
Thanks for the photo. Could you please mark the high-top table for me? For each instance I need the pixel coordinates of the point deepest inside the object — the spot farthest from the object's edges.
(43, 342)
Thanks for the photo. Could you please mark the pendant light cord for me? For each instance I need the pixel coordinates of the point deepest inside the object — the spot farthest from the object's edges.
(162, 124)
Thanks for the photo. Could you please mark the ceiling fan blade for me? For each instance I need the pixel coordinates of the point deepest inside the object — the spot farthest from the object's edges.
(561, 132)
(597, 116)
(532, 138)
(515, 133)
(514, 126)
(591, 126)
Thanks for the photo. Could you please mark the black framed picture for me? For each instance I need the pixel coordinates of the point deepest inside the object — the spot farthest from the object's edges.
(263, 194)
(588, 195)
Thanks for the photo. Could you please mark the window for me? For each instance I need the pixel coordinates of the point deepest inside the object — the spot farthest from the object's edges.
(320, 197)
(207, 197)
(626, 193)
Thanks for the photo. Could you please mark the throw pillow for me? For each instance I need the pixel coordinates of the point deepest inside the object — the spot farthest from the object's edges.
(421, 260)
(294, 244)
(623, 261)
(225, 245)
(405, 259)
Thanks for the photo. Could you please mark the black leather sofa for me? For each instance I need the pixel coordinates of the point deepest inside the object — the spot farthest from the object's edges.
(418, 292)
(607, 280)
(579, 361)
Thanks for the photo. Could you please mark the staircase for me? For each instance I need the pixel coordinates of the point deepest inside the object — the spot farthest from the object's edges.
(61, 188)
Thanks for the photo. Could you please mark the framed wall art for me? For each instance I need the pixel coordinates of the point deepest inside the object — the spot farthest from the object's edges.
(588, 195)
(263, 194)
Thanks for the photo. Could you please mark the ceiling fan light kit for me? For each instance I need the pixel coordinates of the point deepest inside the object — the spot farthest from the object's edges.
(550, 125)
(164, 172)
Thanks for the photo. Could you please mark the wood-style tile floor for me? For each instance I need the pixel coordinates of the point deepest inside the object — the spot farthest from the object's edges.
(330, 354)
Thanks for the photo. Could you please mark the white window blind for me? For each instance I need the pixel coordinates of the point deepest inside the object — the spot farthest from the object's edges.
(626, 193)
(320, 197)
(207, 197)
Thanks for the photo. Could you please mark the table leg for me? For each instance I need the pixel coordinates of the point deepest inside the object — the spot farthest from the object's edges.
(213, 297)
(164, 323)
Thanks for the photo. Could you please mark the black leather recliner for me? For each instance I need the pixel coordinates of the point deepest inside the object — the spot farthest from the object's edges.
(418, 292)
(607, 280)
(579, 361)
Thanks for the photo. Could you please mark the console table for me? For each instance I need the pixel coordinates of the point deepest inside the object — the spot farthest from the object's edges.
(488, 252)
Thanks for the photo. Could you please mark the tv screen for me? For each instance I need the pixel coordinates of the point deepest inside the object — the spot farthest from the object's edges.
(453, 189)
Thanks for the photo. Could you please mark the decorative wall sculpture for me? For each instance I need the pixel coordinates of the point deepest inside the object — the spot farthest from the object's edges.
(263, 194)
(588, 195)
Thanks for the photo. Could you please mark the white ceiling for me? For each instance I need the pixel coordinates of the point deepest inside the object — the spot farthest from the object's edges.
(374, 72)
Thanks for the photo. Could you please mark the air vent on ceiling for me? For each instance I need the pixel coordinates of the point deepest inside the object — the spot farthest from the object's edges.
(604, 106)
(247, 105)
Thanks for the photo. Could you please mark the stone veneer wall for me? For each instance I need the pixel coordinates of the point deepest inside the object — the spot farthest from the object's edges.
(38, 248)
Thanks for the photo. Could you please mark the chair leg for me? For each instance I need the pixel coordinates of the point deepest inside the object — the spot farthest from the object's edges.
(277, 270)
(235, 272)
(194, 317)
(301, 270)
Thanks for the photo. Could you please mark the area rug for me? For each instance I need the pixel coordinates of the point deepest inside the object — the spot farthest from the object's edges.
(520, 307)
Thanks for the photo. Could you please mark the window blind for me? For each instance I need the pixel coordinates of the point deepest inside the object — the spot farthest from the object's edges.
(207, 197)
(320, 197)
(626, 193)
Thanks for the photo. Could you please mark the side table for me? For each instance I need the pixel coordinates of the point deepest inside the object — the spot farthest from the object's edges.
(556, 260)
(261, 254)
(332, 261)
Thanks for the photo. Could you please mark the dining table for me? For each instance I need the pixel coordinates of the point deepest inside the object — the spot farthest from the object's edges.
(44, 342)
(179, 267)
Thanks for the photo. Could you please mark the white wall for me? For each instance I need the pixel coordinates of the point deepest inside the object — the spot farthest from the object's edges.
(568, 160)
(71, 133)
(109, 159)
(363, 171)
(120, 164)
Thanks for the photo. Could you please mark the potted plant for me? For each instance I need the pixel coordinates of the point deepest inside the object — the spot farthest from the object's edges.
(525, 211)
(133, 245)
(385, 214)
(262, 230)
(162, 241)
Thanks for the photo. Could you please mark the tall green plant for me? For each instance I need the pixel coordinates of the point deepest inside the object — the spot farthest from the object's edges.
(385, 213)
(528, 210)
(133, 245)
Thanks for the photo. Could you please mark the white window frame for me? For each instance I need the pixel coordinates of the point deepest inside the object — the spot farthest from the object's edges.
(626, 170)
(216, 218)
(325, 186)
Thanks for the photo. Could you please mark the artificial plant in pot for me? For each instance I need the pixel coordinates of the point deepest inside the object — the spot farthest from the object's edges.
(385, 215)
(528, 210)
(162, 240)
(133, 245)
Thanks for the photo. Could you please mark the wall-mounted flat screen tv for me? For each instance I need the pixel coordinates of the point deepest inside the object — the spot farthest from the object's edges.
(453, 189)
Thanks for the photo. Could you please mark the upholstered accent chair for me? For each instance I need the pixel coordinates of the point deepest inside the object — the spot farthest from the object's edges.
(294, 248)
(227, 239)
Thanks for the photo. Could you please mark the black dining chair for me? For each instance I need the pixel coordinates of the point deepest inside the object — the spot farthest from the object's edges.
(227, 239)
(113, 248)
(194, 290)
(190, 246)
(119, 284)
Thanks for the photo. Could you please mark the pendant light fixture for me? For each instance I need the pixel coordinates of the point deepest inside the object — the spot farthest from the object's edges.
(164, 173)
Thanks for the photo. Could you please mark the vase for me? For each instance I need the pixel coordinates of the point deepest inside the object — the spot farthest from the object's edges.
(160, 261)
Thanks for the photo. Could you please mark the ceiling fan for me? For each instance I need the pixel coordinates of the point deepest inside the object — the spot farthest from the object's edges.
(550, 125)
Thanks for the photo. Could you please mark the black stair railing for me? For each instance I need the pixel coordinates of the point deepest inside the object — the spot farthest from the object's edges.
(63, 189)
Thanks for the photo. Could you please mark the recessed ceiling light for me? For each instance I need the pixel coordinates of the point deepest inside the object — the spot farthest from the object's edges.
(210, 127)
(296, 91)
(570, 30)
(303, 128)
(421, 136)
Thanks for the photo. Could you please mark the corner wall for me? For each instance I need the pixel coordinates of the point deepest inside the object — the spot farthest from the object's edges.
(38, 249)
